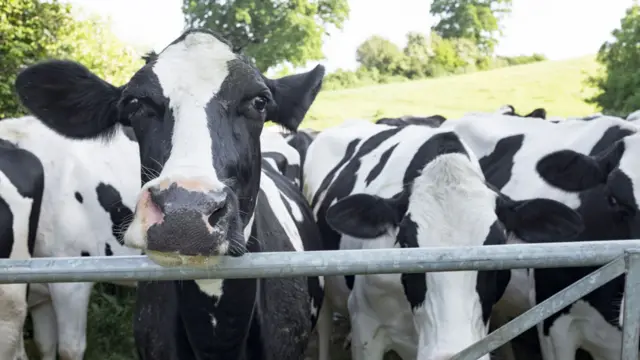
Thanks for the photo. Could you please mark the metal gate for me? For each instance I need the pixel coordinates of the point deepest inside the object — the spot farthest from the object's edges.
(617, 257)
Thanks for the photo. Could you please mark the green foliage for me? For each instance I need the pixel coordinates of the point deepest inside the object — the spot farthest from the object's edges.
(381, 54)
(476, 20)
(270, 31)
(32, 30)
(619, 82)
(382, 61)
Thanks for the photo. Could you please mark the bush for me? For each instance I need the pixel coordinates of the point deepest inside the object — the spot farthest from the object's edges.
(619, 82)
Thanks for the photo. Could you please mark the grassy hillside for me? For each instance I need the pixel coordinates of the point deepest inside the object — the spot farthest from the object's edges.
(557, 86)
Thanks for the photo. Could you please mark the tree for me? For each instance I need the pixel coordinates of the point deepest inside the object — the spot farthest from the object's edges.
(477, 20)
(270, 31)
(31, 31)
(381, 54)
(618, 85)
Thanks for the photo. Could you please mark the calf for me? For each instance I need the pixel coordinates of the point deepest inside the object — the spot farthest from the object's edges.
(90, 188)
(197, 110)
(590, 166)
(432, 121)
(21, 187)
(376, 186)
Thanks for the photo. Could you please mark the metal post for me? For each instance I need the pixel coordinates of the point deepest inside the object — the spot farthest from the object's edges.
(543, 310)
(631, 322)
(309, 263)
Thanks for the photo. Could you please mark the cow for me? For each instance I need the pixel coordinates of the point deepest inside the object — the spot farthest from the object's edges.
(197, 109)
(374, 186)
(589, 166)
(281, 155)
(89, 190)
(300, 140)
(21, 189)
(432, 121)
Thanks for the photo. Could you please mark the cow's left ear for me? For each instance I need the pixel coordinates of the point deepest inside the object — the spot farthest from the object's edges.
(539, 220)
(293, 96)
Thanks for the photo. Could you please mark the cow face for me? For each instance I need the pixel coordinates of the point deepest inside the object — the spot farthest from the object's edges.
(608, 184)
(197, 110)
(449, 204)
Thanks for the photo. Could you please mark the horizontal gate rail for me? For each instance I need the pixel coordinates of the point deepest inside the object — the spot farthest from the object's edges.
(542, 311)
(343, 262)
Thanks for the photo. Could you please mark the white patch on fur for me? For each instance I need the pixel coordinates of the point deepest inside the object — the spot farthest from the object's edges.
(451, 317)
(272, 193)
(13, 297)
(582, 327)
(190, 73)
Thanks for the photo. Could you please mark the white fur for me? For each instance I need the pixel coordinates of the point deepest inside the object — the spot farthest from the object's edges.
(381, 317)
(13, 297)
(190, 73)
(67, 227)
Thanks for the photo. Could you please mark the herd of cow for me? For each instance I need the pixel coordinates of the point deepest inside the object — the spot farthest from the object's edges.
(175, 164)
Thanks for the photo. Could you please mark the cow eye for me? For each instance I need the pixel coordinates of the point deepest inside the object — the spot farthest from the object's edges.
(131, 107)
(259, 103)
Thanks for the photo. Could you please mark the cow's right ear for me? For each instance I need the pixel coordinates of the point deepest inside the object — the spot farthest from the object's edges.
(69, 98)
(365, 216)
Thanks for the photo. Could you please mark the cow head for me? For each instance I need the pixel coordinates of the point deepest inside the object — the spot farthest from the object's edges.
(608, 184)
(449, 204)
(197, 110)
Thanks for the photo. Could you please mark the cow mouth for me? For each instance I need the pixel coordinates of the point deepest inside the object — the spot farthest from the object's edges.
(172, 259)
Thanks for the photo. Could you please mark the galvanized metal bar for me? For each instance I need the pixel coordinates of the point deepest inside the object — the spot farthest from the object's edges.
(631, 309)
(287, 264)
(543, 310)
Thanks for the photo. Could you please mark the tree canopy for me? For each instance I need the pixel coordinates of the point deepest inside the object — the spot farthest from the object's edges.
(476, 20)
(270, 31)
(32, 30)
(619, 82)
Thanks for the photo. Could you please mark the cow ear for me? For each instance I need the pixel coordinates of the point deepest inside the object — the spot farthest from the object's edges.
(293, 97)
(537, 113)
(572, 171)
(68, 98)
(539, 220)
(363, 216)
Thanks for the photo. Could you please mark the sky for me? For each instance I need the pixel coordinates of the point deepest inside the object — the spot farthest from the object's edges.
(560, 29)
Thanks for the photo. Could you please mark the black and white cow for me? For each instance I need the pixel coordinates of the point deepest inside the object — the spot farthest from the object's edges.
(197, 109)
(21, 188)
(592, 167)
(90, 188)
(375, 186)
(300, 140)
(432, 121)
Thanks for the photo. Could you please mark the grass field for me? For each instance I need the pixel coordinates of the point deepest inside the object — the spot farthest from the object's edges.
(557, 86)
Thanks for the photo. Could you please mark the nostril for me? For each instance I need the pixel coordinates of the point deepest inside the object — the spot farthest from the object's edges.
(216, 215)
(155, 199)
(217, 207)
